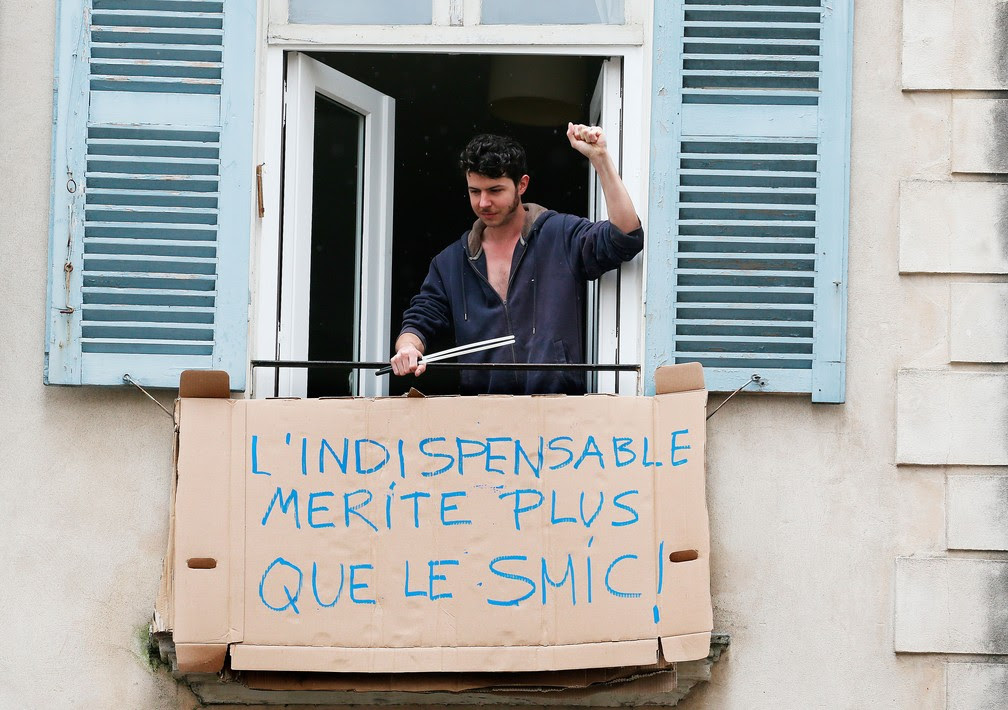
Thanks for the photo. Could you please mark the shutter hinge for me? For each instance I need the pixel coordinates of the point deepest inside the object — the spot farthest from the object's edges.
(71, 187)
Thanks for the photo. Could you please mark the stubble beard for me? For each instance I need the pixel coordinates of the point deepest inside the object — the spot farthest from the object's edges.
(505, 216)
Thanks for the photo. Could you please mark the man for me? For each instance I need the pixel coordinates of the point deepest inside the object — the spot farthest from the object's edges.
(520, 270)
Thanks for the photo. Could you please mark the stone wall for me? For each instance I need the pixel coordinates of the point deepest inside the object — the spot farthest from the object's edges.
(952, 400)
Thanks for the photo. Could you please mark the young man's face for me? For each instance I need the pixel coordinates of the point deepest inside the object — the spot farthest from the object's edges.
(495, 200)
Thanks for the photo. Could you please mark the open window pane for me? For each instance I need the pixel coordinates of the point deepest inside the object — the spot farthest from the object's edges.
(386, 12)
(335, 229)
(336, 225)
(555, 12)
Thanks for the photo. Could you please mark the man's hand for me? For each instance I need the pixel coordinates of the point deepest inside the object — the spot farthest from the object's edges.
(407, 357)
(586, 140)
(591, 143)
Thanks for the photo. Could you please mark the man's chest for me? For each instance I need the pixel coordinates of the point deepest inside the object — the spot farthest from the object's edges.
(498, 264)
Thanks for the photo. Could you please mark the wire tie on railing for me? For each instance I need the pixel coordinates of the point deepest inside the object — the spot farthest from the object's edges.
(130, 380)
(755, 379)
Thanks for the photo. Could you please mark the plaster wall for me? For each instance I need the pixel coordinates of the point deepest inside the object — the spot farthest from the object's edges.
(85, 471)
(809, 510)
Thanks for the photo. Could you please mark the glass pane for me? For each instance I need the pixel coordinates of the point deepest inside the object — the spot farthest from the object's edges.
(336, 204)
(554, 12)
(352, 12)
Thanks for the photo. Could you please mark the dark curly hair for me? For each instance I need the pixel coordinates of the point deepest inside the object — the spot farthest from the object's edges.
(494, 156)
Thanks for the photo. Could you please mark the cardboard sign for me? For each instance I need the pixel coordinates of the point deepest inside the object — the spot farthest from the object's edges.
(442, 534)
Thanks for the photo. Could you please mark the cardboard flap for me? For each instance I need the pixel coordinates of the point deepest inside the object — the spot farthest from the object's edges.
(207, 384)
(688, 647)
(684, 603)
(203, 602)
(200, 658)
(685, 377)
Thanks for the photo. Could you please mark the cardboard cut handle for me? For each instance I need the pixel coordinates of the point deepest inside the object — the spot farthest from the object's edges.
(201, 563)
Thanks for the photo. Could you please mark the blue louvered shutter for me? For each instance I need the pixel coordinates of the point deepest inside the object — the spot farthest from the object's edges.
(749, 192)
(152, 164)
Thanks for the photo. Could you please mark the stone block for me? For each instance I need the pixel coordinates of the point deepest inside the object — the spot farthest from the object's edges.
(946, 418)
(953, 227)
(946, 605)
(955, 44)
(980, 136)
(970, 686)
(976, 513)
(978, 329)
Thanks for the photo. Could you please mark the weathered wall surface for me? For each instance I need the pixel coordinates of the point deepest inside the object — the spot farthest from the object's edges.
(952, 417)
(85, 471)
(834, 527)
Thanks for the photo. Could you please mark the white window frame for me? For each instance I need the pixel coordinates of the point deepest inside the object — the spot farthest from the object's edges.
(305, 79)
(630, 42)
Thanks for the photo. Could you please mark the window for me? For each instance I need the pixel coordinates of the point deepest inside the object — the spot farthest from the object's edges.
(556, 12)
(748, 220)
(457, 12)
(344, 282)
(387, 12)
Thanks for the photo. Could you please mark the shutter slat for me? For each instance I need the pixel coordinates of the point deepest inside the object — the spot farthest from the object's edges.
(749, 42)
(179, 200)
(745, 206)
(160, 247)
(141, 330)
(165, 183)
(755, 8)
(197, 54)
(138, 297)
(147, 314)
(746, 290)
(169, 5)
(746, 339)
(719, 189)
(742, 328)
(727, 27)
(748, 173)
(747, 363)
(138, 347)
(166, 215)
(157, 64)
(192, 37)
(150, 18)
(152, 280)
(750, 73)
(114, 230)
(747, 60)
(796, 309)
(129, 266)
(738, 357)
(746, 222)
(130, 83)
(737, 272)
(140, 143)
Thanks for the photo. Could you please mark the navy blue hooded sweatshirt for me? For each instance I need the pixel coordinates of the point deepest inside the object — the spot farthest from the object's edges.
(555, 256)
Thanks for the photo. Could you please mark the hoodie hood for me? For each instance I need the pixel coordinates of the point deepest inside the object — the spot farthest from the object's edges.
(475, 241)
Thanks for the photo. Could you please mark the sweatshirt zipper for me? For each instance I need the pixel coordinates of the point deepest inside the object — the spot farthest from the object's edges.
(507, 311)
